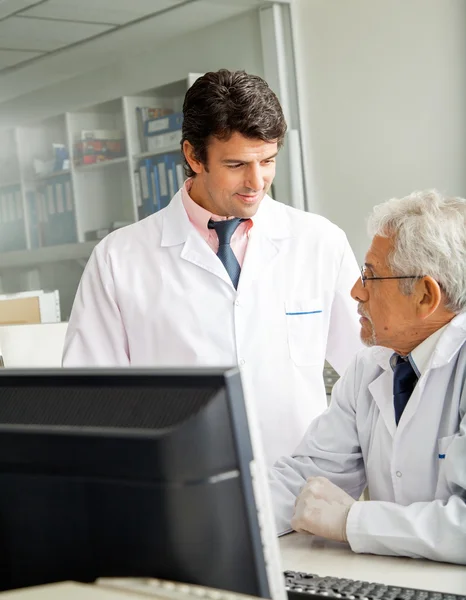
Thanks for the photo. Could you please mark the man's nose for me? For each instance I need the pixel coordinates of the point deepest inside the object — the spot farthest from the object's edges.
(255, 180)
(359, 292)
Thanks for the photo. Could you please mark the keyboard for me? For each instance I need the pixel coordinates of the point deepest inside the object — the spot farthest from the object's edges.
(299, 585)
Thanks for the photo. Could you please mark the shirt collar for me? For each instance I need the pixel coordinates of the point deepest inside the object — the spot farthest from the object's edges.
(420, 356)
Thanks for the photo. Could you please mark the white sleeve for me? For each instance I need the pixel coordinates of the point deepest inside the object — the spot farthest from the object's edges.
(330, 448)
(434, 530)
(96, 335)
(344, 339)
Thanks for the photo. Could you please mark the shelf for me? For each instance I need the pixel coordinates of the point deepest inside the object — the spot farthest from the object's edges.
(49, 254)
(165, 150)
(102, 164)
(9, 184)
(39, 178)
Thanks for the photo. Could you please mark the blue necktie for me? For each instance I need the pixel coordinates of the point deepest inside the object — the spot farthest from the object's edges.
(404, 380)
(225, 229)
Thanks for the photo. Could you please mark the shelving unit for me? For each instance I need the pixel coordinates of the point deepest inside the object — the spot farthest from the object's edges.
(100, 195)
(103, 192)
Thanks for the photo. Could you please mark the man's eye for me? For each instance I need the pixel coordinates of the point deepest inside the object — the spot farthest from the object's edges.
(234, 166)
(366, 272)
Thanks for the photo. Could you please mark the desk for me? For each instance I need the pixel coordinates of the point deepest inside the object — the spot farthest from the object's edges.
(302, 552)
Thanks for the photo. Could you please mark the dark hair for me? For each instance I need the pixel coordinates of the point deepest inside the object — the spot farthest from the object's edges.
(224, 102)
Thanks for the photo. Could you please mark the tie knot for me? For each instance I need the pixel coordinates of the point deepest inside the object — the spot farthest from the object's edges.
(225, 229)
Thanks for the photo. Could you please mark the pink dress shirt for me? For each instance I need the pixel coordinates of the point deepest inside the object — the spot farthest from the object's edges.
(199, 217)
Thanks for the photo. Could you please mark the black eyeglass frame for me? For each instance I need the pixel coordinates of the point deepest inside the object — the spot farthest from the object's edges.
(364, 278)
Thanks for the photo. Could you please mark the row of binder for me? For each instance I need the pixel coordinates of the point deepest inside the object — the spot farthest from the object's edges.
(52, 218)
(157, 181)
(12, 229)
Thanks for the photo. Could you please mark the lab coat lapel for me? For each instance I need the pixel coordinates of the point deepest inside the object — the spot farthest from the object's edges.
(177, 230)
(381, 390)
(198, 252)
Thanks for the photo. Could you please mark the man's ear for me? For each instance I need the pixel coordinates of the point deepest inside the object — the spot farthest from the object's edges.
(190, 156)
(428, 296)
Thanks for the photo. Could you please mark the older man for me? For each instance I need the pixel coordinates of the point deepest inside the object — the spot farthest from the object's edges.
(397, 420)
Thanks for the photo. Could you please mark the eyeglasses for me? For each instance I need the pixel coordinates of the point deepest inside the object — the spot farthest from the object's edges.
(365, 278)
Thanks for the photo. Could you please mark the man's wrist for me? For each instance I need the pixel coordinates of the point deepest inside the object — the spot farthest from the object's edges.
(344, 533)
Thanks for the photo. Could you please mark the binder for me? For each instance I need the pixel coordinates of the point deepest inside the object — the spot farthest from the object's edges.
(163, 124)
(171, 175)
(163, 140)
(180, 176)
(138, 195)
(155, 206)
(175, 164)
(69, 215)
(148, 201)
(144, 179)
(165, 197)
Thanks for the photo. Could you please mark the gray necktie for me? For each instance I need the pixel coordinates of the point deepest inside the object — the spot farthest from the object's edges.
(225, 229)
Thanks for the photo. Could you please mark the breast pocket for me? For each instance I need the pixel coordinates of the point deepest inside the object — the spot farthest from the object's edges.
(305, 330)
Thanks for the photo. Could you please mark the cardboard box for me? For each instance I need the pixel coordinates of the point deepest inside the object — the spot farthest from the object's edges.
(19, 311)
(30, 307)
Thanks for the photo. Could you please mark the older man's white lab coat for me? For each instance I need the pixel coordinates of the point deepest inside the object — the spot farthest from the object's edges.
(416, 472)
(154, 294)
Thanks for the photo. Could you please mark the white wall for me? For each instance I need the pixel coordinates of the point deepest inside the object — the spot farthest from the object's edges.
(383, 98)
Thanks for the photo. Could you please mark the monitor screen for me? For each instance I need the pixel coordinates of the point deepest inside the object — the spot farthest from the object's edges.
(131, 473)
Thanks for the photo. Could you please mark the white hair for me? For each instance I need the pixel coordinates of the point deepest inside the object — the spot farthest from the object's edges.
(429, 234)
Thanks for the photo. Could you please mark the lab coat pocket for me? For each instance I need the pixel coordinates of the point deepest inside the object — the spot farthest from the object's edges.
(304, 323)
(443, 489)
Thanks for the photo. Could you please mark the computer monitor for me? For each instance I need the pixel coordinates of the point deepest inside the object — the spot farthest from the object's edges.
(132, 473)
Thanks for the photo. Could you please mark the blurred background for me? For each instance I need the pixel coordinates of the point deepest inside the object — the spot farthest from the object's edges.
(90, 95)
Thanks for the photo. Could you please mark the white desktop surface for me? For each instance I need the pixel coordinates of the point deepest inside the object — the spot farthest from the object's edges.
(302, 552)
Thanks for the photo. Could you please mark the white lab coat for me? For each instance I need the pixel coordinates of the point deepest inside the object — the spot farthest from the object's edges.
(155, 294)
(416, 472)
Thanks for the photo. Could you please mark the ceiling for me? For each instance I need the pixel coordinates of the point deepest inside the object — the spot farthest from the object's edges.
(30, 29)
(45, 42)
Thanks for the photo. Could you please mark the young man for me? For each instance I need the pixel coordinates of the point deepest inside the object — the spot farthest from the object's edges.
(397, 420)
(224, 275)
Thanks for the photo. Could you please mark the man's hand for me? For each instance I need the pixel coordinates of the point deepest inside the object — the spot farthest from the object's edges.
(322, 509)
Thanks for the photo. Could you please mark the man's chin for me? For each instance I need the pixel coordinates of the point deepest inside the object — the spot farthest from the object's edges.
(368, 340)
(247, 209)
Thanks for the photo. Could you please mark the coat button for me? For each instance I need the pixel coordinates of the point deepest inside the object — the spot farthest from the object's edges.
(398, 473)
(242, 362)
(236, 302)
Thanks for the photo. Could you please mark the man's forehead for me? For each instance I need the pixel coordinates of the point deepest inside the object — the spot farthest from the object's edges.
(238, 145)
(379, 250)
